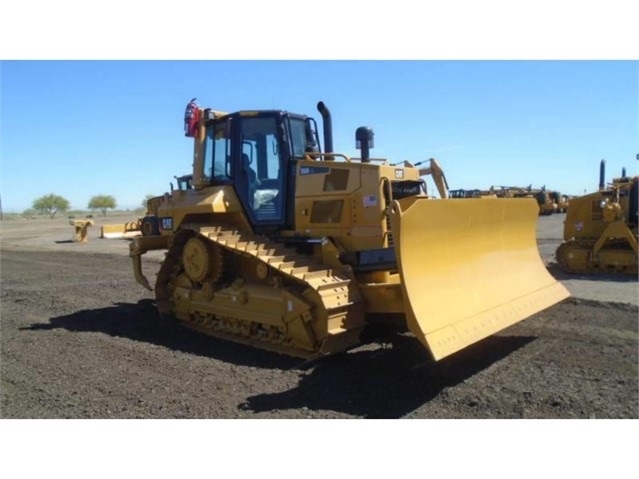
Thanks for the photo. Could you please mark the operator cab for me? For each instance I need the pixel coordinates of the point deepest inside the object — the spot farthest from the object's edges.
(255, 152)
(184, 182)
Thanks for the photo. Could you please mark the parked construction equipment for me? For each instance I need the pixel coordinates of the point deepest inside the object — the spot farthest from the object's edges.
(81, 230)
(561, 201)
(600, 230)
(120, 230)
(545, 200)
(290, 248)
(549, 201)
(148, 224)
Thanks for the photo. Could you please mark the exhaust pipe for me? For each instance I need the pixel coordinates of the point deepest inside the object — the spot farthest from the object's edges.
(328, 127)
(602, 175)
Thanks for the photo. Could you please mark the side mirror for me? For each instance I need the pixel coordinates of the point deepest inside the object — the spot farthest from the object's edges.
(312, 137)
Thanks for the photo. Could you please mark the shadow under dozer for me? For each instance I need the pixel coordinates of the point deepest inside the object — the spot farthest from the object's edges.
(362, 382)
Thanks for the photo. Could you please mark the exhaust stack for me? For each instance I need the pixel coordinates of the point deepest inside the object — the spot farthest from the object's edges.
(602, 175)
(328, 127)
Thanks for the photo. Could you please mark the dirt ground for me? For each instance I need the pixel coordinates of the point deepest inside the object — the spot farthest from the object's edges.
(81, 339)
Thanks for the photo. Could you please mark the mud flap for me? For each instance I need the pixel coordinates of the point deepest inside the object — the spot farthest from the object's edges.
(469, 268)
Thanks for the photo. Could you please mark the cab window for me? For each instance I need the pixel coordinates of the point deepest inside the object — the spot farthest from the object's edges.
(260, 167)
(217, 152)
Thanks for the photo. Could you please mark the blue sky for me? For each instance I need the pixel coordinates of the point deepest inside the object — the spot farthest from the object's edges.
(81, 128)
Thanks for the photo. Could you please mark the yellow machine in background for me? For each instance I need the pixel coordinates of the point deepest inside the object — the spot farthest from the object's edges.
(81, 230)
(120, 230)
(549, 202)
(600, 230)
(148, 224)
(561, 201)
(288, 248)
(545, 199)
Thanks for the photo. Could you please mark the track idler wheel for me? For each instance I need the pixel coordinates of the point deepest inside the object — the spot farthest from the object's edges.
(573, 257)
(202, 260)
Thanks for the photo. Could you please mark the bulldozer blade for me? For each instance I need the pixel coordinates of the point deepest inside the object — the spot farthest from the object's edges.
(469, 268)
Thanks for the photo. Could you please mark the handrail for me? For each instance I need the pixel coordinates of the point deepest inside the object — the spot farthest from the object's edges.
(386, 190)
(387, 187)
(317, 156)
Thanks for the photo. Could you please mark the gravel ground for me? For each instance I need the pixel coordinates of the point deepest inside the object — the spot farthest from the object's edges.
(80, 339)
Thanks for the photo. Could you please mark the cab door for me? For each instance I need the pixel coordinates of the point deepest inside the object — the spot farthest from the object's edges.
(260, 178)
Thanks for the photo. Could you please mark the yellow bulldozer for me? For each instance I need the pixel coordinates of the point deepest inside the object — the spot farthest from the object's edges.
(545, 199)
(149, 223)
(559, 201)
(286, 247)
(600, 230)
(549, 201)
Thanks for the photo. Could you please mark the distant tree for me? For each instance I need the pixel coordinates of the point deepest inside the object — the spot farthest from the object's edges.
(50, 204)
(29, 213)
(102, 203)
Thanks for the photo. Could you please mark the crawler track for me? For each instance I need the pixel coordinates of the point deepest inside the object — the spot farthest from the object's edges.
(329, 316)
(575, 256)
